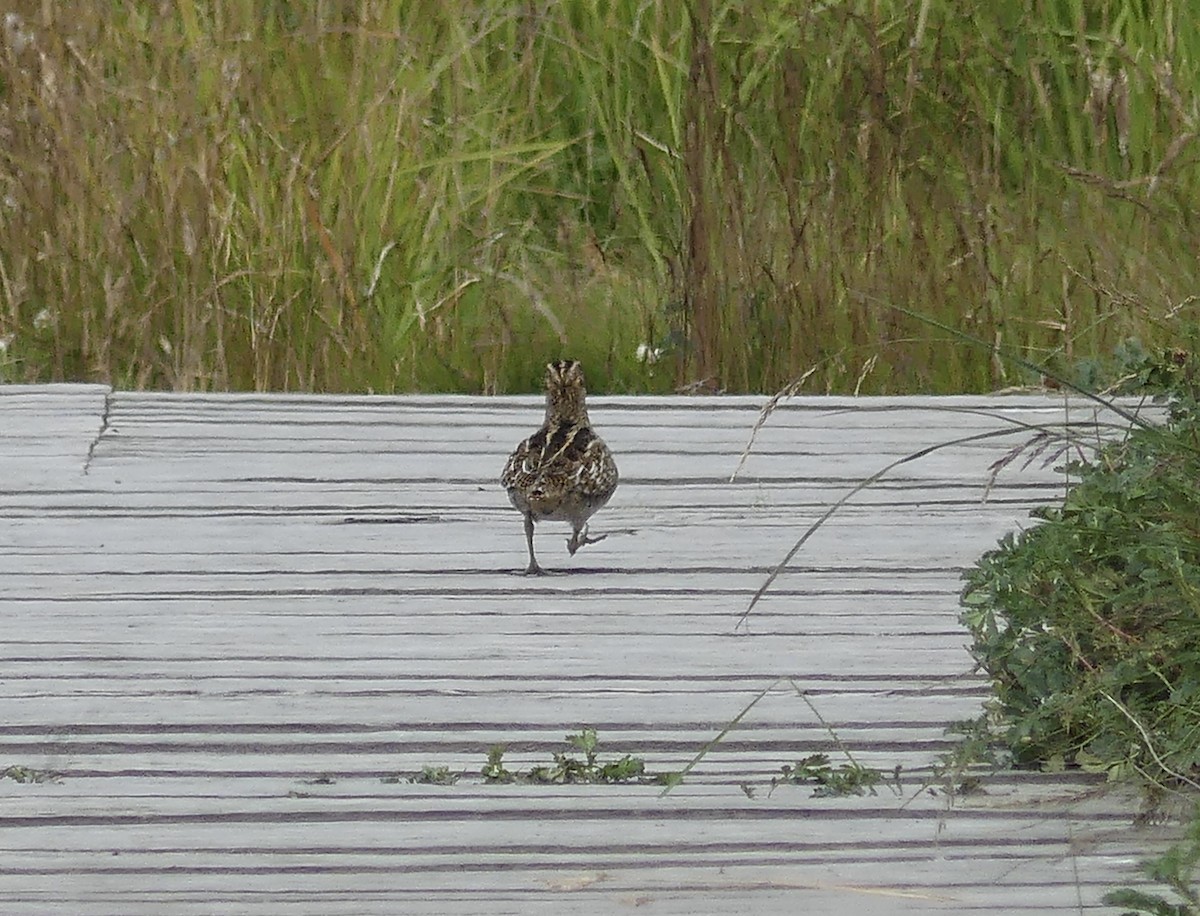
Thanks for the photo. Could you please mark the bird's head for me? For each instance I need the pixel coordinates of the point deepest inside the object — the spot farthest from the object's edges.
(565, 391)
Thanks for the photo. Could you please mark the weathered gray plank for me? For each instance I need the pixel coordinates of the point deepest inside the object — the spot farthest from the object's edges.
(244, 592)
(47, 433)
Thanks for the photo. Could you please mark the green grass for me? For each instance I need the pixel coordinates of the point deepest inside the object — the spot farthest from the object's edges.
(421, 196)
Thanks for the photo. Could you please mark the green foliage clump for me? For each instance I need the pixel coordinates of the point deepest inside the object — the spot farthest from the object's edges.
(568, 768)
(959, 771)
(1089, 623)
(830, 781)
(28, 774)
(429, 775)
(495, 770)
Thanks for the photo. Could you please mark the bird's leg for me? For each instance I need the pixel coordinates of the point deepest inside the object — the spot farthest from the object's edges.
(580, 539)
(532, 569)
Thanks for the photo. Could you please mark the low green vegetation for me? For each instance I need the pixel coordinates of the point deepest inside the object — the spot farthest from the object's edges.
(29, 775)
(1088, 624)
(428, 776)
(977, 753)
(436, 776)
(830, 781)
(398, 196)
(495, 770)
(321, 779)
(569, 768)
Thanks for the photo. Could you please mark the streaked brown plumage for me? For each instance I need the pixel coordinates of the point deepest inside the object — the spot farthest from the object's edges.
(564, 471)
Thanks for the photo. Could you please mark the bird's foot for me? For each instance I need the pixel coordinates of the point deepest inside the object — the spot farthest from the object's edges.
(533, 569)
(581, 539)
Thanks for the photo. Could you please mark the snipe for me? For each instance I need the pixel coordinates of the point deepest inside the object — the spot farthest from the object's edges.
(564, 471)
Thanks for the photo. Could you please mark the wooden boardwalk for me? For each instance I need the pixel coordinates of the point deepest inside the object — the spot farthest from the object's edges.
(228, 620)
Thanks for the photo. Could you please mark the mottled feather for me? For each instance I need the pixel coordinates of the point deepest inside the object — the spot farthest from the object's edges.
(564, 471)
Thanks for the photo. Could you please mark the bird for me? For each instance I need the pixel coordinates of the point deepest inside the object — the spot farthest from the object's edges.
(564, 471)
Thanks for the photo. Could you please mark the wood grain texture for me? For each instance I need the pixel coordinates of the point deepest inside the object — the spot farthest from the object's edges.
(231, 621)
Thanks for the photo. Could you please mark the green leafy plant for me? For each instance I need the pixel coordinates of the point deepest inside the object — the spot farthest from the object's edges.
(850, 778)
(429, 775)
(568, 768)
(29, 774)
(495, 770)
(1089, 623)
(436, 776)
(846, 779)
(959, 771)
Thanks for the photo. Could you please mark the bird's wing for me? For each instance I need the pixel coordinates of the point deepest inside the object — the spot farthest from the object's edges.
(597, 471)
(565, 455)
(519, 466)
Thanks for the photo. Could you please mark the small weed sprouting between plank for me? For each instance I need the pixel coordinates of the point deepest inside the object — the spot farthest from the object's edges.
(957, 772)
(851, 778)
(495, 770)
(436, 776)
(29, 775)
(568, 768)
(428, 776)
(571, 769)
(321, 779)
(830, 781)
(1176, 868)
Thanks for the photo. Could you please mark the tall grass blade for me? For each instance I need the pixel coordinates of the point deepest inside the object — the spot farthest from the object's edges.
(858, 488)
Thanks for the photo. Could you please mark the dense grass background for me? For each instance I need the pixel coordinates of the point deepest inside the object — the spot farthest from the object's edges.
(427, 195)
